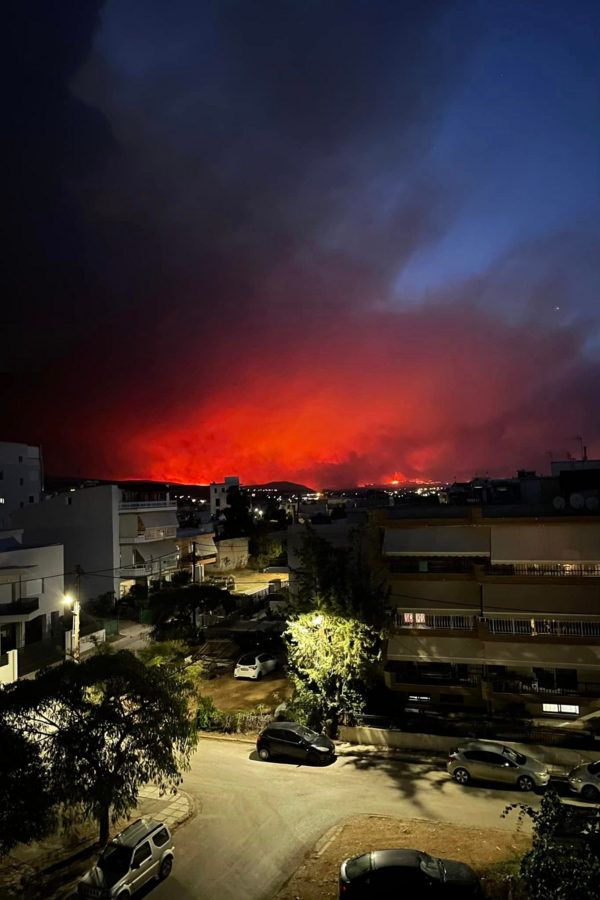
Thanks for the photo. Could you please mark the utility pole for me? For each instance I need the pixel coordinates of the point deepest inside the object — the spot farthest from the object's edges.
(76, 605)
(194, 578)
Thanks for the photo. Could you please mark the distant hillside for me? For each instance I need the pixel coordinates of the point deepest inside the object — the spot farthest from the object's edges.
(287, 487)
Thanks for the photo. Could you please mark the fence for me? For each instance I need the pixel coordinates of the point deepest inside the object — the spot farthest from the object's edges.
(43, 653)
(568, 628)
(111, 627)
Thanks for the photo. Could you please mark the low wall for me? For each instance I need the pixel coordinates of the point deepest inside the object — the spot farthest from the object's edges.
(437, 743)
(10, 671)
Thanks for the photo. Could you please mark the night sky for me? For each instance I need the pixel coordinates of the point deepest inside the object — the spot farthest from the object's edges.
(332, 241)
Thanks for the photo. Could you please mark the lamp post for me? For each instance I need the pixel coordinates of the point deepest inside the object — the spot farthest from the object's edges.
(74, 603)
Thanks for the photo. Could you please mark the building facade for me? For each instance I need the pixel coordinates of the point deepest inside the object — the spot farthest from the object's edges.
(21, 479)
(117, 538)
(31, 591)
(491, 609)
(218, 493)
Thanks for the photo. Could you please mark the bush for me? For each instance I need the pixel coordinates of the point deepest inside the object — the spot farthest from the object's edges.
(208, 718)
(501, 881)
(205, 714)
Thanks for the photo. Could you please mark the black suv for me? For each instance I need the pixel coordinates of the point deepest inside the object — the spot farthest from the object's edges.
(296, 741)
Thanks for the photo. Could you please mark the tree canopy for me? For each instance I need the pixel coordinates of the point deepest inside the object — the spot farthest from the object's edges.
(104, 727)
(238, 518)
(174, 609)
(335, 637)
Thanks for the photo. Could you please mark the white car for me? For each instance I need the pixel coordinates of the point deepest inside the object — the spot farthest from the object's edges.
(254, 665)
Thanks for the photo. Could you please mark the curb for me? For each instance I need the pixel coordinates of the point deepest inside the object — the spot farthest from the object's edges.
(203, 735)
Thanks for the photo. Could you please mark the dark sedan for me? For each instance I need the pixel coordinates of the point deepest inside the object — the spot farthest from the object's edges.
(296, 742)
(406, 873)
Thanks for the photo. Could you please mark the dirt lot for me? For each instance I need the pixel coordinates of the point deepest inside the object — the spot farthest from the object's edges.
(317, 877)
(238, 695)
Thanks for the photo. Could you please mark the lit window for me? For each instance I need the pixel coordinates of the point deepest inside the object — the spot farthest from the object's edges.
(419, 698)
(566, 709)
(409, 618)
(421, 620)
(2, 500)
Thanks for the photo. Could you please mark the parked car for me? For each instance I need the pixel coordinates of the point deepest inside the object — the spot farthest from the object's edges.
(141, 852)
(491, 761)
(404, 873)
(254, 665)
(585, 780)
(296, 741)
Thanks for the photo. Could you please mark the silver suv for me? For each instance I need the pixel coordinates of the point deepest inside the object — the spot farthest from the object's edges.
(141, 852)
(491, 761)
(585, 780)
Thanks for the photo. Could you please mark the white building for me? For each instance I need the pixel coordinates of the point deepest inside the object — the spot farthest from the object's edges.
(21, 478)
(31, 590)
(218, 493)
(117, 537)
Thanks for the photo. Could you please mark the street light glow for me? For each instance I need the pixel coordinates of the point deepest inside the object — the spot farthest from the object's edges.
(67, 599)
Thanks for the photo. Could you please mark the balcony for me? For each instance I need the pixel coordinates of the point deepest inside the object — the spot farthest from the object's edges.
(545, 627)
(579, 689)
(133, 505)
(446, 565)
(559, 570)
(431, 622)
(19, 608)
(151, 534)
(156, 567)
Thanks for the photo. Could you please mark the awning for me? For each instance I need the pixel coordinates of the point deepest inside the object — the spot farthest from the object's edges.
(546, 543)
(167, 519)
(448, 540)
(550, 599)
(436, 649)
(205, 545)
(156, 550)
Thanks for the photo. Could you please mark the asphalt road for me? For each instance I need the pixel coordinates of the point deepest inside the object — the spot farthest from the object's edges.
(258, 820)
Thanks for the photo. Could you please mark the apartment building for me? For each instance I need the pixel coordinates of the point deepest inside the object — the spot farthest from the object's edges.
(117, 537)
(31, 591)
(218, 493)
(21, 479)
(493, 605)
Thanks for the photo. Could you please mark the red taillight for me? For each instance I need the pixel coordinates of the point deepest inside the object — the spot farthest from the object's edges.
(254, 668)
(259, 738)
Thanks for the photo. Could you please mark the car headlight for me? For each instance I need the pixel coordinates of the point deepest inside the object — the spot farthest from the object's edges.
(541, 774)
(576, 780)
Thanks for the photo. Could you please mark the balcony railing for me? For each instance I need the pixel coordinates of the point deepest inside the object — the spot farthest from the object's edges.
(424, 620)
(562, 570)
(537, 627)
(20, 607)
(125, 506)
(151, 534)
(471, 679)
(581, 689)
(154, 567)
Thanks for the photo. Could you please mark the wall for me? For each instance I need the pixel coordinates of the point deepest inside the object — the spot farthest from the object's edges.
(86, 522)
(40, 575)
(10, 672)
(436, 743)
(231, 554)
(12, 471)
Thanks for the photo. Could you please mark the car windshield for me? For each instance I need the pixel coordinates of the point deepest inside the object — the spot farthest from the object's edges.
(431, 866)
(515, 757)
(115, 860)
(248, 660)
(306, 733)
(358, 866)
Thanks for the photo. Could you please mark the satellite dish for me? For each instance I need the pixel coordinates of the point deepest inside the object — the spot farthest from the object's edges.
(592, 503)
(558, 503)
(576, 501)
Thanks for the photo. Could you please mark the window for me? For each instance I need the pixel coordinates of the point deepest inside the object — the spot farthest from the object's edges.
(31, 498)
(68, 501)
(264, 657)
(20, 459)
(419, 698)
(2, 500)
(217, 502)
(161, 837)
(142, 853)
(566, 709)
(1, 475)
(20, 482)
(409, 618)
(292, 737)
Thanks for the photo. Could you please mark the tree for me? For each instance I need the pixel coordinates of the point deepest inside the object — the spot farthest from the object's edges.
(238, 519)
(561, 864)
(174, 610)
(334, 659)
(335, 638)
(263, 548)
(28, 807)
(104, 727)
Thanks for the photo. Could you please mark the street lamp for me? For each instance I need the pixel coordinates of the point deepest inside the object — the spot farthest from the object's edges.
(70, 601)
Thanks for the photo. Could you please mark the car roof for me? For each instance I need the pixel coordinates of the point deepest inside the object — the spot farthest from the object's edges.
(136, 832)
(381, 859)
(494, 746)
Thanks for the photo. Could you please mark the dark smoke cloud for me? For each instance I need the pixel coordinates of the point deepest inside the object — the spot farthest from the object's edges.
(212, 215)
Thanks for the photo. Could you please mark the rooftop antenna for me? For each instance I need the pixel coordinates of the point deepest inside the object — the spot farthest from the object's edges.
(580, 439)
